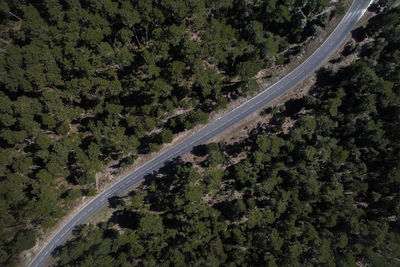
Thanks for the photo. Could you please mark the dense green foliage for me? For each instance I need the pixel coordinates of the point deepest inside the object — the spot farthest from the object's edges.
(324, 193)
(84, 82)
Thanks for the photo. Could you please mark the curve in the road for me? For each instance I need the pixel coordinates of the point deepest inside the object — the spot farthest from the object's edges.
(270, 94)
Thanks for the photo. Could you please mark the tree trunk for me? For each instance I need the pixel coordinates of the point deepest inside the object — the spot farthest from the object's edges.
(9, 12)
(137, 39)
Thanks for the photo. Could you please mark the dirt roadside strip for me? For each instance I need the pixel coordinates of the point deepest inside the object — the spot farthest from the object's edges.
(150, 156)
(243, 128)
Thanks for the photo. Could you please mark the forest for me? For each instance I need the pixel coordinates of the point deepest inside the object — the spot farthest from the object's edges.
(322, 192)
(87, 82)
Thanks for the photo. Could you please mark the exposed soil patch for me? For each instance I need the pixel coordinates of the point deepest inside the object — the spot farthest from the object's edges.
(242, 129)
(234, 134)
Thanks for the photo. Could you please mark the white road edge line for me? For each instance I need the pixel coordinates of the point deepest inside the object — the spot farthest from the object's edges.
(107, 192)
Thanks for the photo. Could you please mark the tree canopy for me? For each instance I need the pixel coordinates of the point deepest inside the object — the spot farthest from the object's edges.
(86, 84)
(323, 191)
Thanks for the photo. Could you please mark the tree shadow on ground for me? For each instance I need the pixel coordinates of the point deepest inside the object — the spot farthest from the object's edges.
(126, 218)
(115, 202)
(158, 184)
(200, 150)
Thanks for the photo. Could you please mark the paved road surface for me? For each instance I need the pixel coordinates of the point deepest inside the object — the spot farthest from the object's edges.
(270, 94)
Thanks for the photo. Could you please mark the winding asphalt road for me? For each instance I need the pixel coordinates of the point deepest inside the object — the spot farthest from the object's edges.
(270, 94)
